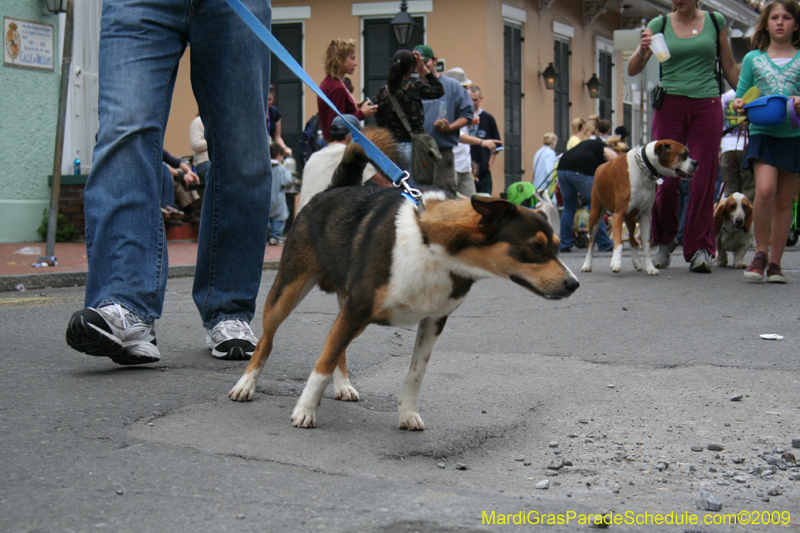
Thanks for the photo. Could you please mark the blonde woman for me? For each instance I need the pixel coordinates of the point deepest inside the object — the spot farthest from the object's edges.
(577, 133)
(340, 61)
(544, 162)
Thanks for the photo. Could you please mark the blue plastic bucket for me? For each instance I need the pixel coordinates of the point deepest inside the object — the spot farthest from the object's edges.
(767, 110)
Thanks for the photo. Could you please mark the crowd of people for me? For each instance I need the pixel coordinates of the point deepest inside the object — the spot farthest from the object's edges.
(691, 113)
(127, 194)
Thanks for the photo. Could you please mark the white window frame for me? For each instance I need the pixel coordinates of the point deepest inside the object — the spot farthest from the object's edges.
(382, 9)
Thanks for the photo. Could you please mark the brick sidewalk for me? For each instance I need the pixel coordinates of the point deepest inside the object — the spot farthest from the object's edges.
(16, 259)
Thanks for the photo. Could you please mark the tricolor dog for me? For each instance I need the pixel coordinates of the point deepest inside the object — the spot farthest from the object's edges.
(390, 264)
(733, 218)
(626, 187)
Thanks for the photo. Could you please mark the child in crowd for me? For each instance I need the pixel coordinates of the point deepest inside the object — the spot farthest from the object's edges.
(772, 152)
(278, 210)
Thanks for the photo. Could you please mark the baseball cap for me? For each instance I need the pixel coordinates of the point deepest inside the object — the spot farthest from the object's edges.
(459, 75)
(339, 127)
(425, 51)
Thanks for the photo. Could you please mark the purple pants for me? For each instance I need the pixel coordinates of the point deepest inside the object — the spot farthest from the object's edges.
(696, 123)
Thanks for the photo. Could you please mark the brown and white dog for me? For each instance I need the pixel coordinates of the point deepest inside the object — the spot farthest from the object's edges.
(390, 265)
(733, 218)
(626, 187)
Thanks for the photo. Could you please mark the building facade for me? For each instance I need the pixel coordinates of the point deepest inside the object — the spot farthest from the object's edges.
(502, 45)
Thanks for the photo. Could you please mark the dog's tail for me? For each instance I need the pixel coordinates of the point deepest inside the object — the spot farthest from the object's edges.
(351, 168)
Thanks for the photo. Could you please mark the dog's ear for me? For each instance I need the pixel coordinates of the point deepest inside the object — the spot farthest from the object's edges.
(661, 148)
(748, 213)
(494, 212)
(719, 216)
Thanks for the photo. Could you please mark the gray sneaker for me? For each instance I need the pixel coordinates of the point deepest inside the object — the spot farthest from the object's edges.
(661, 257)
(701, 262)
(231, 339)
(114, 332)
(671, 245)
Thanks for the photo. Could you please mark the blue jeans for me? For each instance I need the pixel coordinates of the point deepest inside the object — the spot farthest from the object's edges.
(572, 184)
(276, 228)
(141, 43)
(167, 189)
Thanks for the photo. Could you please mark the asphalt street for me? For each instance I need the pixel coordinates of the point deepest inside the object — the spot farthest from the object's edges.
(611, 388)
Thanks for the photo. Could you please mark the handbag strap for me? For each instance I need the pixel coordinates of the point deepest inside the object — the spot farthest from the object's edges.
(399, 110)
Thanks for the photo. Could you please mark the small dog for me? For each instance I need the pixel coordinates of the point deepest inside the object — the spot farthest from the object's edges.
(392, 265)
(733, 218)
(626, 186)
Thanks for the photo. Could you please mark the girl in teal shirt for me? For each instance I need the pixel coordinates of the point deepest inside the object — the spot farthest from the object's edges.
(773, 152)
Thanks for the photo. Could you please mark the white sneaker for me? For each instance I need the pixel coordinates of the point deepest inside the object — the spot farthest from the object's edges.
(113, 331)
(231, 339)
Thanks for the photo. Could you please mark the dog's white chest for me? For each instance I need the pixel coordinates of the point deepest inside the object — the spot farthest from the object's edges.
(643, 189)
(731, 237)
(420, 284)
(642, 198)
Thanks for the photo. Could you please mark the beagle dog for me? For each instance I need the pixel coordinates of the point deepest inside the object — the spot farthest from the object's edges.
(733, 218)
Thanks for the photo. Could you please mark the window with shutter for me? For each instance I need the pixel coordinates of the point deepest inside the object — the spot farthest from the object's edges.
(380, 45)
(562, 103)
(288, 87)
(627, 121)
(605, 75)
(512, 77)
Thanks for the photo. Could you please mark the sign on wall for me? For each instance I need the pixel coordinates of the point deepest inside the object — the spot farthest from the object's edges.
(27, 44)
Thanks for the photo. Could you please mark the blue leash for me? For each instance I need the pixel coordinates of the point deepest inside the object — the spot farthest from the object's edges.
(395, 173)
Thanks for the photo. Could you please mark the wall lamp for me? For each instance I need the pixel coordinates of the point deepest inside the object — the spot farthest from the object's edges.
(594, 86)
(550, 77)
(56, 6)
(403, 25)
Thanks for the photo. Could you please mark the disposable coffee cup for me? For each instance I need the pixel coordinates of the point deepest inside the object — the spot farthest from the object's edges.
(659, 47)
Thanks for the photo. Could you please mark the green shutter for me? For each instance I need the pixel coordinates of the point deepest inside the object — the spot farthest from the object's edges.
(606, 82)
(288, 87)
(380, 45)
(512, 88)
(561, 97)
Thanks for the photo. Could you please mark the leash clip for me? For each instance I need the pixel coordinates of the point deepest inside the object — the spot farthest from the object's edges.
(408, 189)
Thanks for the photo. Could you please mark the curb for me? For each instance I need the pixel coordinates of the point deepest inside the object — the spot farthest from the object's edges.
(78, 279)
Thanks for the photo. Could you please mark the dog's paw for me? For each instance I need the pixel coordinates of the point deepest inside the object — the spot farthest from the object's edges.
(586, 268)
(616, 259)
(304, 418)
(740, 265)
(638, 264)
(345, 393)
(411, 421)
(652, 271)
(243, 390)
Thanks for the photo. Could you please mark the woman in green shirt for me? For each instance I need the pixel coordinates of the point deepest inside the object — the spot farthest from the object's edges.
(691, 114)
